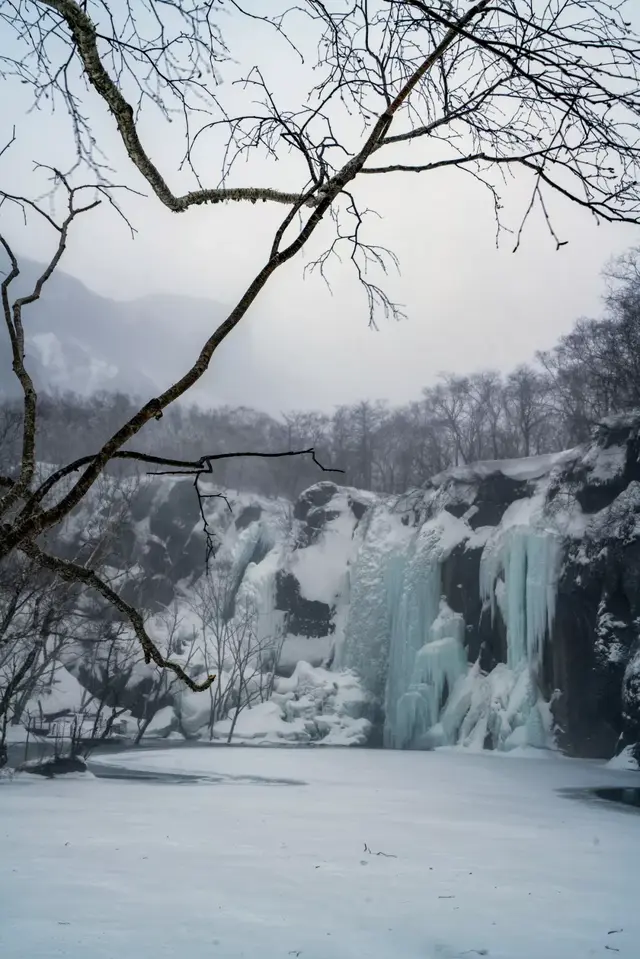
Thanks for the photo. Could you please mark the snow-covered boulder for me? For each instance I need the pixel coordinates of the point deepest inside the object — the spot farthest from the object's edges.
(312, 706)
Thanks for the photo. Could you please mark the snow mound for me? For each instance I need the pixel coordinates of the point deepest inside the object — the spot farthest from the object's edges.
(624, 760)
(313, 705)
(65, 694)
(163, 723)
(524, 468)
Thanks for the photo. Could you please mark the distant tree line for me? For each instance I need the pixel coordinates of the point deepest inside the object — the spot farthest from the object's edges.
(543, 407)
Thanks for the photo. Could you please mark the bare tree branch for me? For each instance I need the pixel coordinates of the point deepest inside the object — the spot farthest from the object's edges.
(13, 320)
(179, 467)
(74, 573)
(85, 39)
(28, 527)
(552, 90)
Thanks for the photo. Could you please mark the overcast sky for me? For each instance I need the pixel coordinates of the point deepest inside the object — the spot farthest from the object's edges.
(468, 305)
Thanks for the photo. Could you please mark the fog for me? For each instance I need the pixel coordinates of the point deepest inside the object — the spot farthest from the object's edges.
(468, 304)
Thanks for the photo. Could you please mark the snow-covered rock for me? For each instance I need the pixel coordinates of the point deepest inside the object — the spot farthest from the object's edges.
(313, 706)
(498, 606)
(624, 760)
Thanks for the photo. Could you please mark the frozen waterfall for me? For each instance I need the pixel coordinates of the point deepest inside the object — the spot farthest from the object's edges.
(438, 666)
(405, 643)
(519, 573)
(408, 645)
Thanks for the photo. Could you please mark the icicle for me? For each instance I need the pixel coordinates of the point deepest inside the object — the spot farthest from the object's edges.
(437, 667)
(529, 560)
(408, 646)
(414, 596)
(375, 584)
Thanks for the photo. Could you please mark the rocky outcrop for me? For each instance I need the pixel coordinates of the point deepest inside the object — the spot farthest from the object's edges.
(590, 499)
(499, 605)
(56, 766)
(582, 509)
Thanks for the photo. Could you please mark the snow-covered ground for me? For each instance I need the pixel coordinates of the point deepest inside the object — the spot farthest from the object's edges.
(479, 855)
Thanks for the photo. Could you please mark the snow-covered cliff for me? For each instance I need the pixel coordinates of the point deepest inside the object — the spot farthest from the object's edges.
(497, 607)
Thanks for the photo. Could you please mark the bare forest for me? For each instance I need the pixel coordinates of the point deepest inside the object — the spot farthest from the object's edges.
(547, 93)
(549, 405)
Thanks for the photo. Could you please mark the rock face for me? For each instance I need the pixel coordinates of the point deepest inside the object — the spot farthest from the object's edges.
(496, 607)
(542, 554)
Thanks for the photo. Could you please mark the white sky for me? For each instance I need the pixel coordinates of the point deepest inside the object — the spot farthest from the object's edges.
(469, 306)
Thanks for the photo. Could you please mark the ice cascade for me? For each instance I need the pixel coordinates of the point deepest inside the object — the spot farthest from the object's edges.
(409, 647)
(401, 638)
(519, 574)
(437, 667)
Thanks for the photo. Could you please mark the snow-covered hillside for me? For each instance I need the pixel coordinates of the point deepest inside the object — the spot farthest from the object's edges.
(497, 607)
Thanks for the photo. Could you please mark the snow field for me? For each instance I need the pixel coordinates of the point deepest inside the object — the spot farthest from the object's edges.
(479, 855)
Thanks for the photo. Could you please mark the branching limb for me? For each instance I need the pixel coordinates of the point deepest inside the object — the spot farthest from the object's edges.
(211, 543)
(197, 468)
(9, 143)
(12, 313)
(178, 467)
(550, 88)
(85, 38)
(73, 573)
(362, 256)
(32, 526)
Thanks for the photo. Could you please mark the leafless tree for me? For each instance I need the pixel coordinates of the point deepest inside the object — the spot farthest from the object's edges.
(594, 370)
(45, 621)
(233, 642)
(111, 665)
(548, 89)
(449, 402)
(163, 685)
(526, 395)
(33, 610)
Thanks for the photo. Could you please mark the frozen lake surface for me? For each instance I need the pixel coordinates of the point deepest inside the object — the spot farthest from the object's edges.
(320, 854)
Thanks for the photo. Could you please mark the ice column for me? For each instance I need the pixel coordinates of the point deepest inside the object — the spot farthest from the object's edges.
(414, 598)
(375, 583)
(519, 571)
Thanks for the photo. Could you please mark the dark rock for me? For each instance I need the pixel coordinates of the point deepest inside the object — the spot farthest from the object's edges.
(357, 508)
(596, 496)
(174, 519)
(250, 514)
(590, 647)
(157, 559)
(151, 592)
(304, 617)
(318, 495)
(315, 523)
(456, 509)
(496, 493)
(460, 577)
(57, 766)
(570, 669)
(631, 707)
(142, 501)
(191, 560)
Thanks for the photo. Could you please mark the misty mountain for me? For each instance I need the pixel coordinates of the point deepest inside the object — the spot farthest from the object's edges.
(78, 340)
